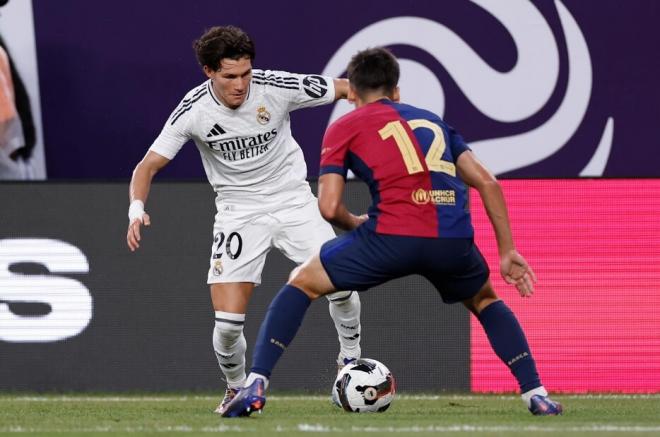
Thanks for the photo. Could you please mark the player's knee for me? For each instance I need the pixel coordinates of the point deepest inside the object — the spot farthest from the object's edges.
(297, 277)
(227, 332)
(344, 298)
(294, 274)
(482, 299)
(302, 279)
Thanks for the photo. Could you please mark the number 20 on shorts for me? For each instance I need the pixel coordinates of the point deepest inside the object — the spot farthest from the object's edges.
(234, 239)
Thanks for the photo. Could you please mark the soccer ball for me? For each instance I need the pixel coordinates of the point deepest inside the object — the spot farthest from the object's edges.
(365, 386)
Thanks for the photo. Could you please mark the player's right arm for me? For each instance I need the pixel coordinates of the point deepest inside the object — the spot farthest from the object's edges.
(174, 135)
(513, 267)
(138, 192)
(332, 177)
(333, 210)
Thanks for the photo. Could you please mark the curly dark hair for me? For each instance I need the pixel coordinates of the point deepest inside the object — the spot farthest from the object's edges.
(374, 69)
(221, 42)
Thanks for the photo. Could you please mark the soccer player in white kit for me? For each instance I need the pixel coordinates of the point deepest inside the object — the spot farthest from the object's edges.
(239, 121)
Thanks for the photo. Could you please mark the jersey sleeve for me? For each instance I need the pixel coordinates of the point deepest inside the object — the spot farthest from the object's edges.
(457, 143)
(299, 90)
(175, 133)
(336, 143)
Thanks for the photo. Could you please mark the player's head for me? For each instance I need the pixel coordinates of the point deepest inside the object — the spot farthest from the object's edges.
(223, 42)
(226, 53)
(373, 74)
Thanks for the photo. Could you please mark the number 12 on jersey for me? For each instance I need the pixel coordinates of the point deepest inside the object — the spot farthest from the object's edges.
(407, 149)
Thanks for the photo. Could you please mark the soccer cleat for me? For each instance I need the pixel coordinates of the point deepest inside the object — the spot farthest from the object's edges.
(341, 363)
(247, 401)
(544, 406)
(230, 394)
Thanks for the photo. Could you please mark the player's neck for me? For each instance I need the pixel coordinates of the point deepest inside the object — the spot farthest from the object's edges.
(362, 101)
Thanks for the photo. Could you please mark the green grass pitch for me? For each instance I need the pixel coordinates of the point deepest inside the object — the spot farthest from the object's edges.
(177, 414)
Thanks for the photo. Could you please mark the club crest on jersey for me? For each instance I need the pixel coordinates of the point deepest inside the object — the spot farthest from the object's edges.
(263, 116)
(217, 268)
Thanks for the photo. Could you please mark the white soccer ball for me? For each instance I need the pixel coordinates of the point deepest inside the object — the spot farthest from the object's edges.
(365, 386)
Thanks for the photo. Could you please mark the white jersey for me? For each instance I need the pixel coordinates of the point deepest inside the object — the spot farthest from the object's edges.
(248, 153)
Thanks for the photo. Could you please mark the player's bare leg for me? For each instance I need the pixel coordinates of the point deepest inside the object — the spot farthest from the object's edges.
(509, 343)
(230, 301)
(312, 279)
(285, 314)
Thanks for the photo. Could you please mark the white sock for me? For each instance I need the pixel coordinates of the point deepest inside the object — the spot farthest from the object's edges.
(253, 376)
(229, 346)
(344, 309)
(527, 396)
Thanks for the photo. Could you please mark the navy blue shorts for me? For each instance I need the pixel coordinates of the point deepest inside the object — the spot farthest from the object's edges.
(362, 259)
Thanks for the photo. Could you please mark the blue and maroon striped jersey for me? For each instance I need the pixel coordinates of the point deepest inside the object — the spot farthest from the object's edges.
(407, 156)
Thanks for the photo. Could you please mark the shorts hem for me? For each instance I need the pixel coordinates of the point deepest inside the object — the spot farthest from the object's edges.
(327, 272)
(467, 296)
(256, 282)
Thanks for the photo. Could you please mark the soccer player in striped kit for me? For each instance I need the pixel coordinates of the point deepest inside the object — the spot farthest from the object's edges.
(417, 168)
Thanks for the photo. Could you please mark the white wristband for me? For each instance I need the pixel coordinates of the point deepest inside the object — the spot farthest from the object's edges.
(135, 211)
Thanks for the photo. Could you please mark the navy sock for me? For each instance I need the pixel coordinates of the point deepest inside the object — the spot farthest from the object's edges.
(509, 343)
(284, 316)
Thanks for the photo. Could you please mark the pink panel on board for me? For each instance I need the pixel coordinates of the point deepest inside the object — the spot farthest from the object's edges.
(594, 322)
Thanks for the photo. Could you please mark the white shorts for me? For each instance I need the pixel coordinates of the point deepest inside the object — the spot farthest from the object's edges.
(244, 234)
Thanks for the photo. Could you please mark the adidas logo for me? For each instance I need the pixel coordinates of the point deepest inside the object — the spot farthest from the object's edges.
(217, 130)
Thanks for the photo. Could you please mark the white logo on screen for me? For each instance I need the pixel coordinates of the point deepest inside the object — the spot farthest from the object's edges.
(506, 97)
(69, 301)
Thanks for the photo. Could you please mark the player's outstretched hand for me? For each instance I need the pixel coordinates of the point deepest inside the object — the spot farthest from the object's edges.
(133, 236)
(516, 271)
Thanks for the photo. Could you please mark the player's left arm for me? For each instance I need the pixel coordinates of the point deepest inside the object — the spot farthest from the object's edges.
(305, 91)
(341, 88)
(331, 190)
(513, 267)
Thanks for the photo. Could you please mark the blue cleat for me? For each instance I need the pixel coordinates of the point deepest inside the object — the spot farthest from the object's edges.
(247, 401)
(544, 406)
